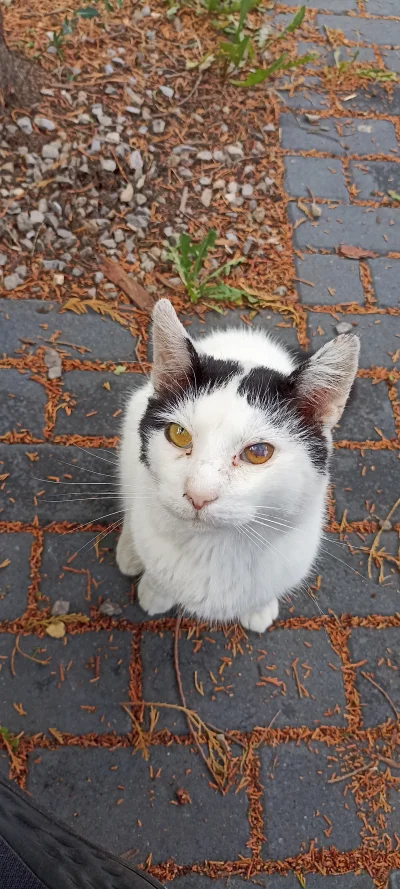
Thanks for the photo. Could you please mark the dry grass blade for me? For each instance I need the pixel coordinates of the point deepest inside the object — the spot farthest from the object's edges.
(374, 546)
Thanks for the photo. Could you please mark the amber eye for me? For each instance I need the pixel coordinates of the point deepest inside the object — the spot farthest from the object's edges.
(257, 453)
(178, 435)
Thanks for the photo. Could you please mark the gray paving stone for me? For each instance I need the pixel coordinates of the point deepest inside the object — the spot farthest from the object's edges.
(375, 178)
(300, 785)
(386, 281)
(245, 698)
(342, 276)
(15, 577)
(391, 58)
(324, 177)
(361, 30)
(94, 412)
(326, 54)
(374, 99)
(357, 493)
(86, 787)
(275, 881)
(347, 592)
(333, 5)
(4, 765)
(269, 322)
(23, 402)
(368, 409)
(306, 99)
(20, 497)
(394, 880)
(21, 319)
(383, 7)
(59, 579)
(338, 136)
(380, 651)
(377, 230)
(56, 695)
(377, 333)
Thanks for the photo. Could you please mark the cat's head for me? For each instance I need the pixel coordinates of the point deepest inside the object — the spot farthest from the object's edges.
(222, 440)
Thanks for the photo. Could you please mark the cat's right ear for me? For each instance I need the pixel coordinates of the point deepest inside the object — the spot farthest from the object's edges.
(172, 350)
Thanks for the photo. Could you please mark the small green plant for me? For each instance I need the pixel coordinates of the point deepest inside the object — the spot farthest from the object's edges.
(283, 62)
(343, 65)
(13, 742)
(84, 12)
(188, 259)
(378, 75)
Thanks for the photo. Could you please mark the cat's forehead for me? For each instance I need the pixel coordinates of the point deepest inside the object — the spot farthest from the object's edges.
(224, 412)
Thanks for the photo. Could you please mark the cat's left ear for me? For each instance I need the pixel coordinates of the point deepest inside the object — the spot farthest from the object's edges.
(323, 383)
(172, 350)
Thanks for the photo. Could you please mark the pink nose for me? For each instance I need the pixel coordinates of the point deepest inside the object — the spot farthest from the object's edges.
(198, 502)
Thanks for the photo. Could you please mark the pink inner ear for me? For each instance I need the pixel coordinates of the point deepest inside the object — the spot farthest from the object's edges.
(316, 405)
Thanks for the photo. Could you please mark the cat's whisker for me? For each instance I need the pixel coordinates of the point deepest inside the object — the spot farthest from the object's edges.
(300, 530)
(92, 453)
(271, 545)
(98, 537)
(83, 468)
(92, 521)
(322, 548)
(103, 496)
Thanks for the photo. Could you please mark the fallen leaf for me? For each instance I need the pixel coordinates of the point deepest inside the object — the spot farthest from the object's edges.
(56, 630)
(120, 369)
(57, 735)
(5, 563)
(394, 195)
(355, 252)
(107, 386)
(137, 294)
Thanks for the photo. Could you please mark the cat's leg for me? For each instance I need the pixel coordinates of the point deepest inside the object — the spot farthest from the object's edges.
(259, 621)
(128, 560)
(151, 600)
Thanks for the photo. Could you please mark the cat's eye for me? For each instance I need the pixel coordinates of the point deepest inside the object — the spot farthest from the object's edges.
(257, 453)
(178, 435)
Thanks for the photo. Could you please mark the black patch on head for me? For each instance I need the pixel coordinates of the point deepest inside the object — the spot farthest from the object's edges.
(269, 390)
(205, 375)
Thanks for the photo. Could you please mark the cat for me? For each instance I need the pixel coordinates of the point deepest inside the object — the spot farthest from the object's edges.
(224, 467)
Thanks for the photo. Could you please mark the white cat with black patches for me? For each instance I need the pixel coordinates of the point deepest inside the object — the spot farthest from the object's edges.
(224, 469)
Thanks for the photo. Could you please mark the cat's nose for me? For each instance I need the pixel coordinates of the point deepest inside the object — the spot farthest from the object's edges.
(198, 501)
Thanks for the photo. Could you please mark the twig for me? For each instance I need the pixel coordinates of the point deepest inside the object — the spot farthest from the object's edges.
(389, 762)
(383, 692)
(350, 774)
(378, 537)
(29, 657)
(183, 699)
(192, 92)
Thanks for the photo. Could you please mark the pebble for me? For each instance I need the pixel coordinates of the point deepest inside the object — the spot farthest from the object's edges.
(110, 608)
(58, 279)
(108, 165)
(44, 124)
(98, 277)
(61, 606)
(206, 197)
(385, 525)
(22, 271)
(167, 91)
(247, 190)
(95, 146)
(12, 281)
(3, 259)
(232, 187)
(65, 234)
(126, 194)
(234, 151)
(141, 200)
(119, 236)
(25, 125)
(23, 223)
(50, 151)
(204, 155)
(77, 272)
(259, 214)
(36, 217)
(248, 246)
(52, 361)
(113, 138)
(158, 126)
(344, 327)
(136, 162)
(269, 128)
(280, 291)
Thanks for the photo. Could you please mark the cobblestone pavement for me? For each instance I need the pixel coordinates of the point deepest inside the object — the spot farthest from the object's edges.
(298, 783)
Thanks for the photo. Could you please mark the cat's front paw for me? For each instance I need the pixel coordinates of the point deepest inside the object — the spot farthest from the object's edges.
(128, 560)
(150, 600)
(259, 621)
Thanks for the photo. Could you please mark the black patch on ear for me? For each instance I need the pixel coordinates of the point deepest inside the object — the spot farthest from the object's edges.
(271, 390)
(205, 375)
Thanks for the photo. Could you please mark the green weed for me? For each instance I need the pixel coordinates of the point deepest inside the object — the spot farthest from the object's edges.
(188, 259)
(13, 742)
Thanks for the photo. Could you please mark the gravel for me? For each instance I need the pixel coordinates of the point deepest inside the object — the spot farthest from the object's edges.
(12, 281)
(206, 197)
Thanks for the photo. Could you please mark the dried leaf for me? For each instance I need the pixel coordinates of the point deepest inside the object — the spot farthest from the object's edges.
(120, 369)
(56, 630)
(355, 252)
(5, 563)
(137, 294)
(57, 735)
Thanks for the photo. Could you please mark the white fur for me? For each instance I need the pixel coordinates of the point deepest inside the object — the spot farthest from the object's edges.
(219, 563)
